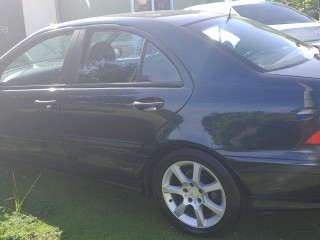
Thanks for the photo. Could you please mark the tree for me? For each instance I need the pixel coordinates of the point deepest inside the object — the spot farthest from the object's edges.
(309, 7)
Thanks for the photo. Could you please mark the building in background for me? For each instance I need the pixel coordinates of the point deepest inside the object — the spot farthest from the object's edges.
(75, 9)
(12, 28)
(38, 14)
(151, 5)
(21, 18)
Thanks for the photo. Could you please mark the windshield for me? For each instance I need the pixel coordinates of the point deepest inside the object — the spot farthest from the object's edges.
(261, 45)
(271, 14)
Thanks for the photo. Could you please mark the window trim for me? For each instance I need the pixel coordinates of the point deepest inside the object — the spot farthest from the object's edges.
(128, 85)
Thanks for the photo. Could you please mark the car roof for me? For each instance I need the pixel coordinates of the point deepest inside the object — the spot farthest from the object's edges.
(172, 17)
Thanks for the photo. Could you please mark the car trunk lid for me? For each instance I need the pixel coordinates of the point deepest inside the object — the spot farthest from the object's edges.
(307, 70)
(307, 32)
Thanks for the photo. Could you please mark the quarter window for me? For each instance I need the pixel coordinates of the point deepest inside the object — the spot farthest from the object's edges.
(40, 64)
(157, 67)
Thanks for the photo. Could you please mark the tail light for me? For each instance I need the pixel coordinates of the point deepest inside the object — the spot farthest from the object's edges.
(314, 139)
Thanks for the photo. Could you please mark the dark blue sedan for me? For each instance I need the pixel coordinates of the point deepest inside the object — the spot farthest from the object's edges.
(209, 113)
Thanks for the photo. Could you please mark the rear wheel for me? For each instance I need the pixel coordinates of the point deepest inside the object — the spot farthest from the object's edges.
(196, 192)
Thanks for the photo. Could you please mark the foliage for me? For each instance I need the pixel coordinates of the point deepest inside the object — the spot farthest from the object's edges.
(308, 7)
(17, 201)
(17, 226)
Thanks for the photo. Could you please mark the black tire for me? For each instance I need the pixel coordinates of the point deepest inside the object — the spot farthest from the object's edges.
(205, 202)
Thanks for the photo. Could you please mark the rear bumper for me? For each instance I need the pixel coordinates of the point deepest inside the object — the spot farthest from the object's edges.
(279, 180)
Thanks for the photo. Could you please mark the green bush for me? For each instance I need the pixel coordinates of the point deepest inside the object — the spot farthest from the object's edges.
(309, 7)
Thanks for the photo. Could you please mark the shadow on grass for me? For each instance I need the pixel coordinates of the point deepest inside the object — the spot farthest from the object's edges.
(87, 209)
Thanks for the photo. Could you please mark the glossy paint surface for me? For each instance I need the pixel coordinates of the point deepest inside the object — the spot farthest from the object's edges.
(254, 122)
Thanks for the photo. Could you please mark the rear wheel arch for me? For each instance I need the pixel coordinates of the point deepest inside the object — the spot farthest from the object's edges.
(155, 158)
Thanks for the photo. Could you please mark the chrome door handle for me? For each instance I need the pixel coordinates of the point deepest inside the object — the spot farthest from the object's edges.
(49, 104)
(148, 106)
(44, 102)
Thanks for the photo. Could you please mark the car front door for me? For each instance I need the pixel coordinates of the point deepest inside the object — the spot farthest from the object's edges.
(127, 87)
(33, 77)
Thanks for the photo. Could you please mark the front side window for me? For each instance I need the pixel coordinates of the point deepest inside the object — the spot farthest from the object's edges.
(40, 64)
(260, 44)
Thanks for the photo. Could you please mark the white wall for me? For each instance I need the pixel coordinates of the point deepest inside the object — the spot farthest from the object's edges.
(38, 14)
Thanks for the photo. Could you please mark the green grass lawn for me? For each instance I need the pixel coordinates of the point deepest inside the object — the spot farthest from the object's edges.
(65, 206)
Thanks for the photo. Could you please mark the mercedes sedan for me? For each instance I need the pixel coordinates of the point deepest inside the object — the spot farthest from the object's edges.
(209, 113)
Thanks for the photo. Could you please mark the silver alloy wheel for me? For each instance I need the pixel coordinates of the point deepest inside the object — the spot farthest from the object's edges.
(193, 194)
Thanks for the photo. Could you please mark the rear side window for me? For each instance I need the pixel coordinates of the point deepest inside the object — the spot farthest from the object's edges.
(271, 14)
(114, 56)
(111, 57)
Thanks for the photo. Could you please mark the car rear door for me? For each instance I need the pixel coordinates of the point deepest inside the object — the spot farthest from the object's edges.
(33, 77)
(128, 85)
